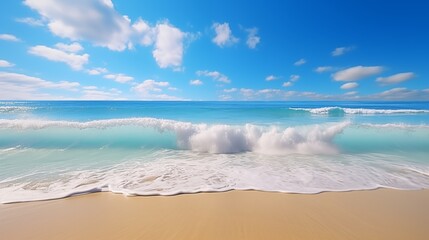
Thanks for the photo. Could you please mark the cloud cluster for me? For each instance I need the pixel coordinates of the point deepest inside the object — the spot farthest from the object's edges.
(20, 86)
(293, 78)
(153, 90)
(224, 35)
(98, 22)
(253, 38)
(215, 75)
(120, 78)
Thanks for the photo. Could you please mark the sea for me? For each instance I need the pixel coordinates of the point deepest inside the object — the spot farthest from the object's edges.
(57, 149)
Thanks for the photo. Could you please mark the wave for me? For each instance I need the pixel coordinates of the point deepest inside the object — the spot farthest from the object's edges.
(218, 138)
(15, 109)
(171, 172)
(364, 111)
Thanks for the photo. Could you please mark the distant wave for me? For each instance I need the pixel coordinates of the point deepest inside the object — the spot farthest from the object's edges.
(15, 109)
(216, 138)
(335, 110)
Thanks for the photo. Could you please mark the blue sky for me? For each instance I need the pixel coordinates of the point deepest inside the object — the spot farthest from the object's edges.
(214, 50)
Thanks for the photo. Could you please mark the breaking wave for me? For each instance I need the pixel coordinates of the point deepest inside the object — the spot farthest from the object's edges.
(218, 138)
(365, 111)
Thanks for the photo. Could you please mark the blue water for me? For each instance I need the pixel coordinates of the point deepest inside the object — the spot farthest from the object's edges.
(55, 149)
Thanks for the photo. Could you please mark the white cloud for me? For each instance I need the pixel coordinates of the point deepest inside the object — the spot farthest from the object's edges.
(401, 94)
(294, 78)
(90, 93)
(168, 46)
(287, 84)
(4, 63)
(92, 20)
(300, 62)
(9, 37)
(230, 90)
(120, 78)
(150, 85)
(96, 71)
(71, 48)
(30, 21)
(247, 92)
(146, 33)
(224, 35)
(340, 51)
(349, 85)
(397, 78)
(215, 75)
(356, 73)
(196, 82)
(20, 86)
(75, 61)
(252, 38)
(152, 90)
(271, 78)
(324, 69)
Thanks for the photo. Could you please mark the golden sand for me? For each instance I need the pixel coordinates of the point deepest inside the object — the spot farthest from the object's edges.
(378, 214)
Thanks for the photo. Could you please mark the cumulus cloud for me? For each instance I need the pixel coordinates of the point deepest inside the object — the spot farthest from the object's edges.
(252, 38)
(224, 35)
(324, 69)
(98, 22)
(30, 21)
(71, 48)
(92, 20)
(215, 75)
(168, 46)
(356, 73)
(9, 37)
(20, 86)
(146, 33)
(93, 93)
(349, 85)
(287, 84)
(300, 62)
(196, 82)
(75, 61)
(230, 90)
(153, 90)
(120, 78)
(340, 51)
(397, 78)
(4, 63)
(96, 71)
(294, 78)
(271, 78)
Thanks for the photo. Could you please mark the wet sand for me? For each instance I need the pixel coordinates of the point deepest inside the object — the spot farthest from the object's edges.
(377, 214)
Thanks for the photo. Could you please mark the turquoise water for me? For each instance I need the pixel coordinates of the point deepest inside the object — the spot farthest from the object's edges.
(54, 149)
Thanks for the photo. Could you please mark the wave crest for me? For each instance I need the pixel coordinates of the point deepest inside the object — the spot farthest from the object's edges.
(310, 139)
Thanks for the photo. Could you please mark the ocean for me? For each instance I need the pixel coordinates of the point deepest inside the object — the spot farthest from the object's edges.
(56, 149)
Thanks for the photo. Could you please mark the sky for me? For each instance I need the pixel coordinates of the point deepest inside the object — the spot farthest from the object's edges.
(214, 50)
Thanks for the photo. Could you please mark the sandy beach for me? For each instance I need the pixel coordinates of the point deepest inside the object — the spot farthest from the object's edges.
(378, 214)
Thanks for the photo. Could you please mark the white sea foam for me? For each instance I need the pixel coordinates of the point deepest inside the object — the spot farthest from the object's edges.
(215, 138)
(328, 110)
(170, 172)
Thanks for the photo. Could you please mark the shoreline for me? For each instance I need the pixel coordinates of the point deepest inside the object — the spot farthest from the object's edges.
(236, 214)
